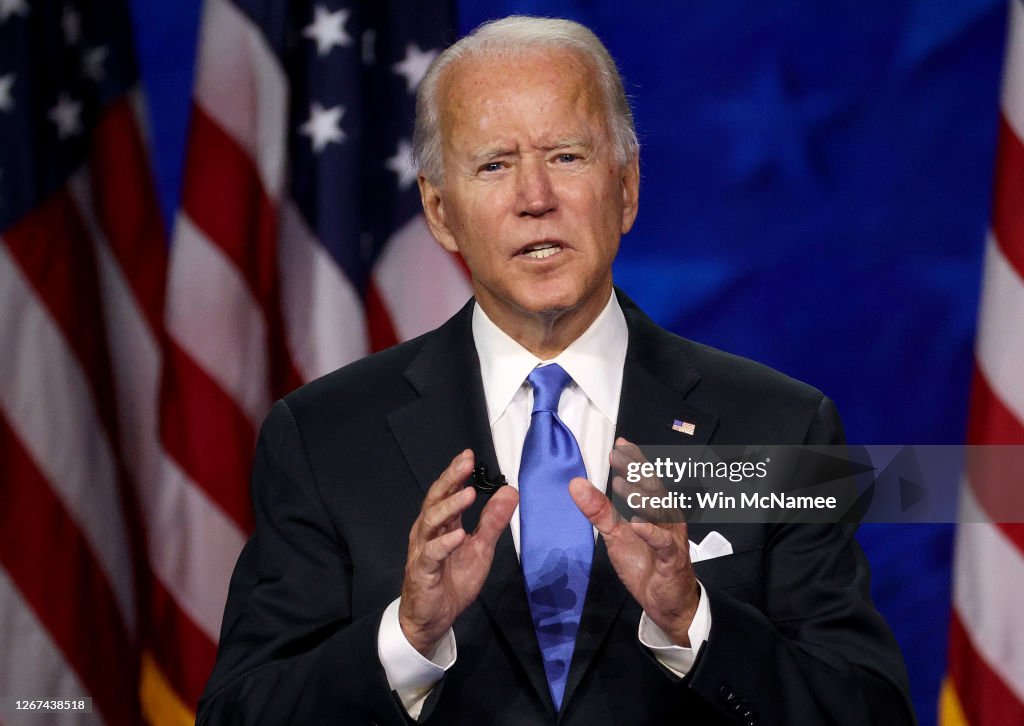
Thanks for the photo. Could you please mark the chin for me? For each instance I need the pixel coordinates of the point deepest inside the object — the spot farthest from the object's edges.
(550, 298)
(553, 305)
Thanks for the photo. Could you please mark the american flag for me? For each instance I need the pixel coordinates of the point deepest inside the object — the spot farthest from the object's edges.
(82, 264)
(299, 247)
(986, 659)
(132, 382)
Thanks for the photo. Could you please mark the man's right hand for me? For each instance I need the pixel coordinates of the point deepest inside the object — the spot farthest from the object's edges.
(446, 567)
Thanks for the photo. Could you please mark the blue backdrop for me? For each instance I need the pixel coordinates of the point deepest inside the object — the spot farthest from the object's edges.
(815, 193)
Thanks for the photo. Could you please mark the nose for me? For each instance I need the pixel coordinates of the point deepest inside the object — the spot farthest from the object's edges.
(535, 196)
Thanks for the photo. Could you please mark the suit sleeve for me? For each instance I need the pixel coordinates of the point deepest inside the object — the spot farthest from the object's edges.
(817, 652)
(290, 650)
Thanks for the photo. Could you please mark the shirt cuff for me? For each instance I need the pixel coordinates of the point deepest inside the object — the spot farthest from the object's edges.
(411, 675)
(677, 658)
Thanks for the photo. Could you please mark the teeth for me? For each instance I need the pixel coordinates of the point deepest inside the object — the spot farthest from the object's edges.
(544, 252)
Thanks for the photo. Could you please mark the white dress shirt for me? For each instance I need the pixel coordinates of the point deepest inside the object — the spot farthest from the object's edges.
(589, 406)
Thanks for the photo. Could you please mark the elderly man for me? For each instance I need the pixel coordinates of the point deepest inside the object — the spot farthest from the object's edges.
(379, 587)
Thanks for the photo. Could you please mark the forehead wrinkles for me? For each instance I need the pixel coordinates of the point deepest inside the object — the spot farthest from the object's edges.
(477, 90)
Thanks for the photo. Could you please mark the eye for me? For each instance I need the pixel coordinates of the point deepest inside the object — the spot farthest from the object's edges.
(491, 166)
(566, 158)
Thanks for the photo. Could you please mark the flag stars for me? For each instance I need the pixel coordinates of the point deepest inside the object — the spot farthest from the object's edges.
(92, 63)
(402, 164)
(71, 22)
(327, 29)
(12, 7)
(414, 66)
(777, 138)
(67, 115)
(6, 99)
(323, 126)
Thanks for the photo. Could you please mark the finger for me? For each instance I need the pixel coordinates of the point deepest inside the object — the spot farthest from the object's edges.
(629, 451)
(624, 488)
(661, 540)
(595, 506)
(620, 461)
(437, 550)
(452, 478)
(496, 515)
(441, 515)
(451, 481)
(648, 505)
(628, 447)
(626, 460)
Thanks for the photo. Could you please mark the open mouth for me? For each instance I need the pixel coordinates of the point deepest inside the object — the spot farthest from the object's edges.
(541, 250)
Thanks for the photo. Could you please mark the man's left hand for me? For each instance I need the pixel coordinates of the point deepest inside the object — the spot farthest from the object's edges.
(652, 560)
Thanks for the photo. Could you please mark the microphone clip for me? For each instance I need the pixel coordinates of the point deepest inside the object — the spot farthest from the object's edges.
(482, 483)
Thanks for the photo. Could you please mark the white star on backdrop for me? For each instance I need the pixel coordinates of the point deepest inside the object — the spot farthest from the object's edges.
(401, 163)
(12, 7)
(67, 114)
(6, 100)
(71, 22)
(92, 63)
(323, 126)
(414, 65)
(327, 29)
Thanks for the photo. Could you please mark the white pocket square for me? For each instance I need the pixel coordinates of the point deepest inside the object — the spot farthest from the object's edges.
(713, 545)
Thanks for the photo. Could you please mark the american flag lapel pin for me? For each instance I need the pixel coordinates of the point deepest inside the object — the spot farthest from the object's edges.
(684, 427)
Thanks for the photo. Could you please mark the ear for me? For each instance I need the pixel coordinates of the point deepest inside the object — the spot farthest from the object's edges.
(630, 192)
(433, 209)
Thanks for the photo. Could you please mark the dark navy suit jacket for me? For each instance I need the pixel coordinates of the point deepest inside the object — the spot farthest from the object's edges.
(341, 468)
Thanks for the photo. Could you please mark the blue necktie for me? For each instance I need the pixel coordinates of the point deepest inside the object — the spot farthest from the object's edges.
(557, 541)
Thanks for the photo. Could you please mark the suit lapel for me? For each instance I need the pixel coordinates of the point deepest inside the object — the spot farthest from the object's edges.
(449, 416)
(655, 382)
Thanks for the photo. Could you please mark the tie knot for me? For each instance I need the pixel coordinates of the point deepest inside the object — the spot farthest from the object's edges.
(548, 383)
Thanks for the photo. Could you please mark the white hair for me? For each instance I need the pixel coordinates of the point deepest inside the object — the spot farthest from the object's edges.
(515, 36)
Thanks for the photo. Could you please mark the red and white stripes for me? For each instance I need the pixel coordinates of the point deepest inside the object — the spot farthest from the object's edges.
(222, 321)
(72, 271)
(986, 675)
(255, 306)
(133, 382)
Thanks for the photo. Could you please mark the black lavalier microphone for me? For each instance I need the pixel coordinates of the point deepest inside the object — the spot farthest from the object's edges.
(483, 483)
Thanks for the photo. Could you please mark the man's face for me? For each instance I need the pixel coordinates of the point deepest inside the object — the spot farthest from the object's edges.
(533, 197)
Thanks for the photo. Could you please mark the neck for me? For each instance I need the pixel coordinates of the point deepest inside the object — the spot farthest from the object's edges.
(548, 333)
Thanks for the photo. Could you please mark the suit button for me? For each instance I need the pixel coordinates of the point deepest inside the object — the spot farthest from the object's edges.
(727, 694)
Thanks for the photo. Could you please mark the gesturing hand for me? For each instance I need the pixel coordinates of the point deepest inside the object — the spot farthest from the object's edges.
(652, 560)
(446, 567)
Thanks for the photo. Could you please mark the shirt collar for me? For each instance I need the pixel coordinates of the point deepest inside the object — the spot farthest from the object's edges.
(594, 360)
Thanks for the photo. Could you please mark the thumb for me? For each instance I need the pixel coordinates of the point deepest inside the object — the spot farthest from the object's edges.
(595, 506)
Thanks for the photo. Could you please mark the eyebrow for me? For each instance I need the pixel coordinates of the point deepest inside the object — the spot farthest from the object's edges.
(491, 154)
(499, 151)
(569, 143)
